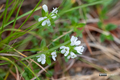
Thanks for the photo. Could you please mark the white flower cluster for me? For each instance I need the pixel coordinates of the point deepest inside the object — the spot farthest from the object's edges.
(53, 16)
(65, 50)
(42, 57)
(74, 42)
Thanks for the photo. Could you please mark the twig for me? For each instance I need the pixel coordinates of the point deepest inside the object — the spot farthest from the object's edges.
(60, 37)
(106, 50)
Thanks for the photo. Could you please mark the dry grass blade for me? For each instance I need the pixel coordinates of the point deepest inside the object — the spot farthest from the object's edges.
(89, 34)
(5, 54)
(17, 74)
(84, 38)
(109, 52)
(1, 7)
(38, 74)
(94, 76)
(101, 31)
(25, 56)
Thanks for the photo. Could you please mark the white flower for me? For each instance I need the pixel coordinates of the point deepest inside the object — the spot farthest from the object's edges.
(79, 49)
(72, 55)
(65, 50)
(54, 11)
(54, 55)
(42, 58)
(74, 41)
(45, 8)
(47, 21)
(53, 15)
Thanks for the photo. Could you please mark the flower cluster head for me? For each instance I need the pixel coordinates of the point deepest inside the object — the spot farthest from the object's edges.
(79, 49)
(42, 58)
(72, 55)
(75, 43)
(65, 50)
(54, 55)
(46, 19)
(69, 52)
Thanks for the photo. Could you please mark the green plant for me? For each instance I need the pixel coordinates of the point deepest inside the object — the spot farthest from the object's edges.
(44, 38)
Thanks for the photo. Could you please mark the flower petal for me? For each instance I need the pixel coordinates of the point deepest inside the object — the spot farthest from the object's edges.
(82, 48)
(72, 44)
(72, 38)
(74, 41)
(43, 61)
(44, 23)
(62, 47)
(68, 57)
(41, 18)
(73, 55)
(39, 59)
(48, 22)
(43, 56)
(45, 8)
(63, 51)
(53, 16)
(53, 53)
(54, 10)
(77, 43)
(79, 49)
(67, 52)
(53, 58)
(80, 53)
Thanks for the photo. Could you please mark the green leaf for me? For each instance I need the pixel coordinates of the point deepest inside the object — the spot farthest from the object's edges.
(48, 60)
(100, 24)
(103, 13)
(74, 20)
(110, 27)
(50, 29)
(43, 13)
(107, 3)
(79, 33)
(29, 74)
(34, 41)
(67, 37)
(43, 43)
(65, 24)
(4, 63)
(49, 73)
(102, 37)
(78, 25)
(66, 60)
(29, 12)
(52, 22)
(1, 78)
(36, 17)
(109, 37)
